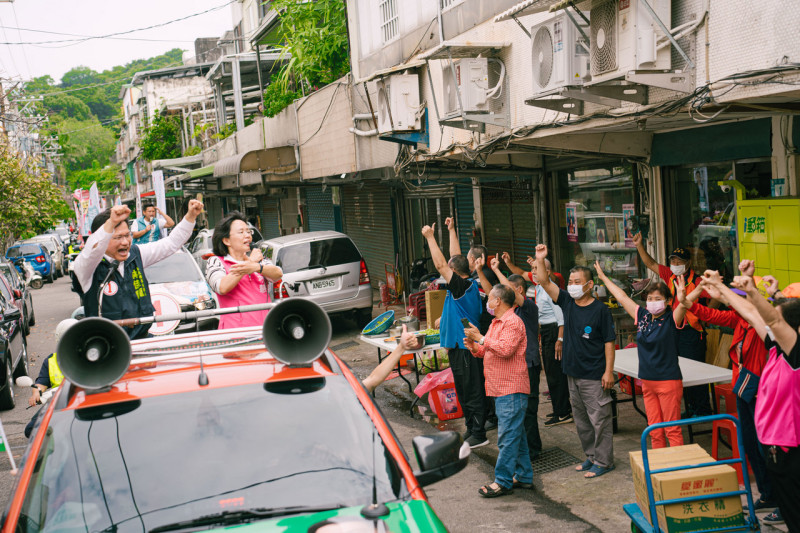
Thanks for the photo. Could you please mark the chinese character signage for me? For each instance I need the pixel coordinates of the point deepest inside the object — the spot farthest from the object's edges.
(755, 224)
(571, 211)
(627, 216)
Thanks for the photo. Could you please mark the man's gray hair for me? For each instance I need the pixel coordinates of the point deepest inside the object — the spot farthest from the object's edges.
(505, 294)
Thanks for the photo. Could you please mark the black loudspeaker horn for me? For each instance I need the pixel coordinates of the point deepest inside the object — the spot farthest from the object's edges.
(297, 331)
(94, 353)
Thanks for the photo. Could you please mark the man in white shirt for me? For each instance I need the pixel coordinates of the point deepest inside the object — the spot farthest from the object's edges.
(111, 263)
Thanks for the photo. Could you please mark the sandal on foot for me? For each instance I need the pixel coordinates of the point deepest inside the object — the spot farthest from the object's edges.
(522, 485)
(597, 471)
(488, 492)
(586, 465)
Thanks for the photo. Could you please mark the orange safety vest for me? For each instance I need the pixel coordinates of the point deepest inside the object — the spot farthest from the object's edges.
(691, 279)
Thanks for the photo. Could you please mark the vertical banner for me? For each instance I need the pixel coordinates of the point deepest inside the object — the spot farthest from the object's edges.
(138, 201)
(94, 204)
(5, 447)
(118, 201)
(571, 213)
(627, 216)
(161, 198)
(701, 180)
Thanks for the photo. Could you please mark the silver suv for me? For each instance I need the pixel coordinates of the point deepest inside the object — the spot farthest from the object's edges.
(326, 267)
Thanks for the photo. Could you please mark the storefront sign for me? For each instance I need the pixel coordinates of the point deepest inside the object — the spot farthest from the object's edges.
(755, 225)
(627, 216)
(701, 180)
(571, 210)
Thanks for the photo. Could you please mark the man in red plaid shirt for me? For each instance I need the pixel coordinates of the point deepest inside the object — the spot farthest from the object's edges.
(506, 372)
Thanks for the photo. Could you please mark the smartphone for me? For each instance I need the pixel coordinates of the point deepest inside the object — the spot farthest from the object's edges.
(465, 322)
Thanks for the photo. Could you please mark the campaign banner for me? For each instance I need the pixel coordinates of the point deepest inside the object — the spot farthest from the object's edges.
(627, 216)
(571, 212)
(161, 197)
(138, 200)
(94, 204)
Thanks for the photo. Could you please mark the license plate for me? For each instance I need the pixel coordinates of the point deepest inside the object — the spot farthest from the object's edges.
(323, 284)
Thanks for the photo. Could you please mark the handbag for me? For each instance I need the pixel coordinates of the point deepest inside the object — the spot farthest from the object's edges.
(746, 385)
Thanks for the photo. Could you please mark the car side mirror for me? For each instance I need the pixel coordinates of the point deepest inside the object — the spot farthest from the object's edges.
(439, 456)
(11, 314)
(17, 294)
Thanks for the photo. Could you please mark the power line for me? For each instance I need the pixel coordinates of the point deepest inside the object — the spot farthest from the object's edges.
(24, 53)
(94, 36)
(109, 35)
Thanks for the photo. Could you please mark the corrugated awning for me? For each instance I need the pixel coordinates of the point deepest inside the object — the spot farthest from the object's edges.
(528, 7)
(391, 70)
(253, 161)
(201, 172)
(449, 49)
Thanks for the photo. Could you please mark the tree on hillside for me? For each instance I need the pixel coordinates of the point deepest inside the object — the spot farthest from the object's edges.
(67, 105)
(162, 139)
(84, 142)
(107, 178)
(80, 76)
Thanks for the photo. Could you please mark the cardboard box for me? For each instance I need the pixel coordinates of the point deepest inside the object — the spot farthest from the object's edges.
(694, 516)
(434, 303)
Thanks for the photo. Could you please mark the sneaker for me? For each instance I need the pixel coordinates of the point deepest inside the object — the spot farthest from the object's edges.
(490, 424)
(774, 517)
(475, 442)
(557, 420)
(467, 435)
(760, 504)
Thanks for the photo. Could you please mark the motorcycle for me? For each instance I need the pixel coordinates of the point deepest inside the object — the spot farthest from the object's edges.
(29, 275)
(419, 276)
(71, 264)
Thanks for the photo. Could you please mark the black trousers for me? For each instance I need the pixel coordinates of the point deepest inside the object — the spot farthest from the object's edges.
(783, 469)
(556, 378)
(692, 345)
(470, 389)
(531, 421)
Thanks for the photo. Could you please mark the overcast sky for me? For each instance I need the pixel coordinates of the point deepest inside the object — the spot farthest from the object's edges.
(99, 17)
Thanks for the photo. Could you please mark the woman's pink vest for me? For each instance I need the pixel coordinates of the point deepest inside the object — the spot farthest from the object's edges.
(251, 289)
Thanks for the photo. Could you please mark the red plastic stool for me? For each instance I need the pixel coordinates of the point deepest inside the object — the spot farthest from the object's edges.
(724, 394)
(733, 439)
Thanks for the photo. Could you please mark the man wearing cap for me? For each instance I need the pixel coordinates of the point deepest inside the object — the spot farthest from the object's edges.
(691, 339)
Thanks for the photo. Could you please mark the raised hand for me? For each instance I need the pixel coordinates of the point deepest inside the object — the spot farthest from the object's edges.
(479, 262)
(747, 267)
(119, 213)
(772, 285)
(408, 341)
(450, 223)
(712, 277)
(599, 269)
(744, 283)
(427, 231)
(712, 290)
(541, 251)
(195, 208)
(530, 260)
(680, 288)
(506, 258)
(494, 264)
(637, 239)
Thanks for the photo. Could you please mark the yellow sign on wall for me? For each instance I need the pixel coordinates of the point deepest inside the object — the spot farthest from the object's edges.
(768, 234)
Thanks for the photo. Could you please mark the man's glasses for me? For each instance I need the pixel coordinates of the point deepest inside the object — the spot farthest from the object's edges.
(123, 237)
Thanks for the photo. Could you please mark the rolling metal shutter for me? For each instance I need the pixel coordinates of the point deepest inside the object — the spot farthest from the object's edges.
(509, 218)
(320, 209)
(268, 210)
(465, 215)
(368, 220)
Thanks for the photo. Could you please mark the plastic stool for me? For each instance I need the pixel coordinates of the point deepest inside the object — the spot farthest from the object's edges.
(725, 399)
(733, 439)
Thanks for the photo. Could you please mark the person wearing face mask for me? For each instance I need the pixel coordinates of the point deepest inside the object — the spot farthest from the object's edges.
(551, 332)
(126, 293)
(691, 339)
(657, 329)
(237, 275)
(588, 362)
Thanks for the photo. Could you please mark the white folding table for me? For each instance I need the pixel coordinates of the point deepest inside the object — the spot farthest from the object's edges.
(694, 373)
(380, 342)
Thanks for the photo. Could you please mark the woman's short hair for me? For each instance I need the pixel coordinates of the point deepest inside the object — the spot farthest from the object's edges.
(659, 287)
(222, 231)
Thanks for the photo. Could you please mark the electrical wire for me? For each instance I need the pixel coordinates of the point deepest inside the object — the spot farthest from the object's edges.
(24, 53)
(114, 34)
(92, 36)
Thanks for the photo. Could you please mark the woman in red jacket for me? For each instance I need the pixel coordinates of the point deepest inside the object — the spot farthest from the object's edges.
(748, 352)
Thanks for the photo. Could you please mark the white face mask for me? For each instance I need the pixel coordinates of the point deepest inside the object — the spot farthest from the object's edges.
(576, 291)
(656, 307)
(678, 270)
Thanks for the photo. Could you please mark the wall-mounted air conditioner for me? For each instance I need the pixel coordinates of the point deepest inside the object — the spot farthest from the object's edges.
(624, 38)
(474, 81)
(559, 56)
(398, 104)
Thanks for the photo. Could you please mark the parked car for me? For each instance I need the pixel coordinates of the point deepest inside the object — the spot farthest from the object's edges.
(36, 255)
(201, 249)
(323, 266)
(13, 346)
(56, 249)
(9, 272)
(251, 439)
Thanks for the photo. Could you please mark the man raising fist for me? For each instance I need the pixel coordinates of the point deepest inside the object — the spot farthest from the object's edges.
(112, 263)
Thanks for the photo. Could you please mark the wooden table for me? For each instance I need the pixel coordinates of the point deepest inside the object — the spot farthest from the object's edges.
(694, 373)
(379, 341)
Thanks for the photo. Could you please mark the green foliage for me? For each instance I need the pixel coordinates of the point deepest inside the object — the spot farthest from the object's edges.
(276, 98)
(226, 131)
(314, 38)
(84, 143)
(162, 139)
(66, 105)
(30, 202)
(192, 150)
(107, 178)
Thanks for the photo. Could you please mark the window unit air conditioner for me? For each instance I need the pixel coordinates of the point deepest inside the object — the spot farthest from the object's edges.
(624, 37)
(398, 103)
(472, 81)
(559, 59)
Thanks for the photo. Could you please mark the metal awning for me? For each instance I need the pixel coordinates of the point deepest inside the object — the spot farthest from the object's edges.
(391, 70)
(201, 172)
(528, 7)
(178, 163)
(454, 50)
(254, 161)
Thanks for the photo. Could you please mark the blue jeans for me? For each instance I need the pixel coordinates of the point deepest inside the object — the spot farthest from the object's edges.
(513, 459)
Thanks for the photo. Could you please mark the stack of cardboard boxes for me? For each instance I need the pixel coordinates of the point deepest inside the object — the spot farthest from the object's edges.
(710, 480)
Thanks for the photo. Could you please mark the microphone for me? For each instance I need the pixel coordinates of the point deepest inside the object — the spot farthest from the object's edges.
(114, 266)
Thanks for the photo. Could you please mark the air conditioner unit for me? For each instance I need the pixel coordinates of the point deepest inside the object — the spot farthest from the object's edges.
(398, 103)
(474, 81)
(624, 36)
(559, 58)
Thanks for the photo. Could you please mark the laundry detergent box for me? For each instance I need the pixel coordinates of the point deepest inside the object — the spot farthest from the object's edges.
(706, 514)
